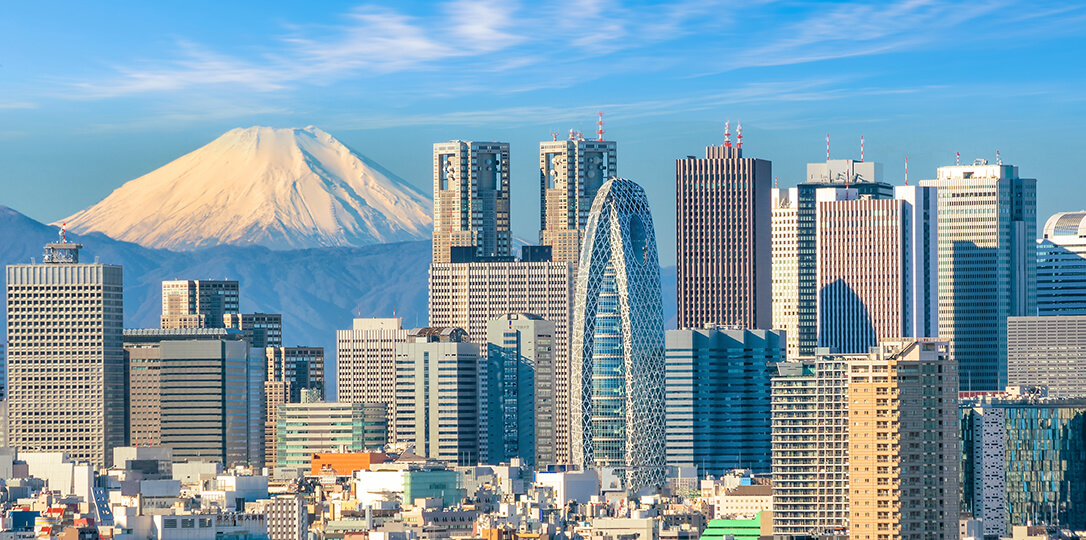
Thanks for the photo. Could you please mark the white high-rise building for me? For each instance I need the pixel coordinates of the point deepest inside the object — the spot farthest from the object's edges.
(65, 356)
(987, 264)
(366, 363)
(438, 395)
(785, 274)
(468, 295)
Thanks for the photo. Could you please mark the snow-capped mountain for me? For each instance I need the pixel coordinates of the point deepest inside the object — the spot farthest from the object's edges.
(278, 188)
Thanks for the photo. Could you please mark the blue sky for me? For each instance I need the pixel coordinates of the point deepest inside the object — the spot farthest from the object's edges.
(93, 96)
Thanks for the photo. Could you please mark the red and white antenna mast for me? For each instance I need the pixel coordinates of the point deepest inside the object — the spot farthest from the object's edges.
(998, 161)
(599, 128)
(861, 148)
(906, 171)
(64, 232)
(554, 135)
(728, 133)
(827, 148)
(957, 158)
(739, 135)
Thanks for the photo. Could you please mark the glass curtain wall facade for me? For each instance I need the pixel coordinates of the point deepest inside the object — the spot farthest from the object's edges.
(618, 341)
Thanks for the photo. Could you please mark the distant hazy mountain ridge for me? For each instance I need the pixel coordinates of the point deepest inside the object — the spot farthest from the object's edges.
(278, 188)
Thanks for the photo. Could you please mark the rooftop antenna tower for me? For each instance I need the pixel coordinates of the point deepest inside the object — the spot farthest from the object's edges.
(728, 133)
(554, 135)
(861, 148)
(739, 135)
(906, 171)
(957, 158)
(998, 161)
(599, 128)
(827, 148)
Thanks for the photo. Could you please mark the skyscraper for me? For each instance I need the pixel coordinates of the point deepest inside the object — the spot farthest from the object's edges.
(437, 395)
(1061, 265)
(1048, 351)
(723, 239)
(520, 389)
(198, 391)
(617, 398)
(785, 267)
(66, 372)
(877, 267)
(471, 198)
(717, 398)
(571, 171)
(867, 444)
(987, 264)
(469, 295)
(795, 245)
(198, 303)
(366, 362)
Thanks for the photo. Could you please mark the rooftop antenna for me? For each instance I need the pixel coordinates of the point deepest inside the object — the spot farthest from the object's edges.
(827, 148)
(957, 158)
(599, 128)
(728, 133)
(359, 312)
(998, 161)
(64, 228)
(774, 181)
(554, 135)
(572, 134)
(739, 135)
(906, 171)
(861, 148)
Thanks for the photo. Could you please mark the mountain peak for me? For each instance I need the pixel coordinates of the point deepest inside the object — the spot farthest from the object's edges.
(282, 188)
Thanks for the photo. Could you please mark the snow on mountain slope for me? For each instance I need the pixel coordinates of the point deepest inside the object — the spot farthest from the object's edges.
(278, 188)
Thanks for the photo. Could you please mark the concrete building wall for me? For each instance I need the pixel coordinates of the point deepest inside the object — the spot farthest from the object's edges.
(1048, 351)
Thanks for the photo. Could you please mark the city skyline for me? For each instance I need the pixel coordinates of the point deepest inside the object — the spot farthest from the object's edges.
(921, 80)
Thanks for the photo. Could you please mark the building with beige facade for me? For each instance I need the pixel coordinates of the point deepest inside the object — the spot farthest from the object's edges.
(201, 303)
(903, 442)
(571, 171)
(366, 362)
(471, 198)
(785, 266)
(469, 295)
(291, 372)
(66, 369)
(723, 239)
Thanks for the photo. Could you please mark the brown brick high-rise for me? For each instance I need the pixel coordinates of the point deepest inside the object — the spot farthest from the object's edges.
(723, 222)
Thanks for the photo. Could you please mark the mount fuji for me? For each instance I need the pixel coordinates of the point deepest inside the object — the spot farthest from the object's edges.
(282, 189)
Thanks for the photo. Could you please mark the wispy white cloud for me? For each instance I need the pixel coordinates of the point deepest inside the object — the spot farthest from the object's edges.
(18, 105)
(501, 47)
